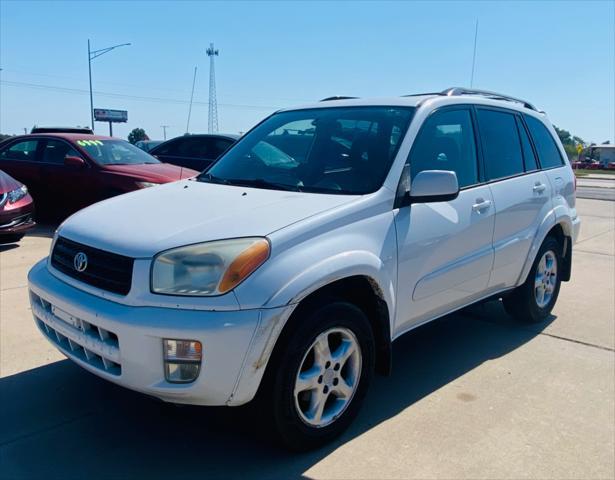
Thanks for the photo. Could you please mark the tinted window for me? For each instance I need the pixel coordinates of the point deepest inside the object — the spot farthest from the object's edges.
(167, 148)
(329, 150)
(219, 146)
(548, 153)
(24, 150)
(529, 157)
(502, 148)
(446, 142)
(55, 151)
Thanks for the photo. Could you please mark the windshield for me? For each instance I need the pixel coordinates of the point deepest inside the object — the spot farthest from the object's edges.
(115, 152)
(346, 150)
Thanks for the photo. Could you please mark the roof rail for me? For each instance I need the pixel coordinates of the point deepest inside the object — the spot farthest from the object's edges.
(456, 91)
(337, 97)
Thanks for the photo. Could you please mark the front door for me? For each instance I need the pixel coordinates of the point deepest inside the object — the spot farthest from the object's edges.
(444, 248)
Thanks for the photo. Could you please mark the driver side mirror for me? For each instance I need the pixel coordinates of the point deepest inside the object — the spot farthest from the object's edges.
(73, 161)
(429, 186)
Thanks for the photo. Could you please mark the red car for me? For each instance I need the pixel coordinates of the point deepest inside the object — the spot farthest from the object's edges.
(16, 209)
(70, 171)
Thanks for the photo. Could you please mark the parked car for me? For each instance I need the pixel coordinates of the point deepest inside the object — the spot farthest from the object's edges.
(321, 236)
(147, 145)
(71, 171)
(16, 209)
(194, 151)
(84, 130)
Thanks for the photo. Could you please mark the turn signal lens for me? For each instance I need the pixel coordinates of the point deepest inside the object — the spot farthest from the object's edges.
(245, 263)
(182, 360)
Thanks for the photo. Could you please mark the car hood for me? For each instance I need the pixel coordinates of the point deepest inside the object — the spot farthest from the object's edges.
(143, 223)
(154, 172)
(7, 183)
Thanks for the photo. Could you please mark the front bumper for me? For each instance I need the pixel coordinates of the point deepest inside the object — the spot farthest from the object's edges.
(16, 220)
(123, 344)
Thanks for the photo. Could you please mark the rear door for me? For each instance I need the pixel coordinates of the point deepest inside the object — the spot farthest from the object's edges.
(444, 248)
(521, 192)
(20, 160)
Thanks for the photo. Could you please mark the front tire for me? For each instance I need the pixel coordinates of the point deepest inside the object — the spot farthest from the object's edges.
(533, 301)
(322, 375)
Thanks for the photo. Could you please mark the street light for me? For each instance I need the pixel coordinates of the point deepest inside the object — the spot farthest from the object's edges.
(92, 54)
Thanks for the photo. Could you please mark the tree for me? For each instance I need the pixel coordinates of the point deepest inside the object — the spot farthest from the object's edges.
(564, 136)
(136, 135)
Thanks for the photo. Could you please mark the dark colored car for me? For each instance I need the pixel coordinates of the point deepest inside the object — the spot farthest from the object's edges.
(147, 145)
(84, 130)
(194, 151)
(16, 209)
(70, 171)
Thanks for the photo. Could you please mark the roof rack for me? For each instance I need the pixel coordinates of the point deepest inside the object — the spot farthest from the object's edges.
(456, 91)
(337, 97)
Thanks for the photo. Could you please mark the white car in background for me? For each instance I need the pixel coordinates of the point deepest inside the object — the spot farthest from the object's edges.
(285, 271)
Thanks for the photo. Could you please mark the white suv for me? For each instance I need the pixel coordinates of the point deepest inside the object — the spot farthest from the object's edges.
(286, 270)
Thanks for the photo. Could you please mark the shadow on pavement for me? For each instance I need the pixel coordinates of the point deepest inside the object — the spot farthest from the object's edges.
(59, 421)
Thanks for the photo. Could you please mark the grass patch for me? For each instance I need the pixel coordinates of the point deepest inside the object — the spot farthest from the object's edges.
(582, 172)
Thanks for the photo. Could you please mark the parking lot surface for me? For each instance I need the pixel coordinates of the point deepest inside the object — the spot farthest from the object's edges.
(473, 395)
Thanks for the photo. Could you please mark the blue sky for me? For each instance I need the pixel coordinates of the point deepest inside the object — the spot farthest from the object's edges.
(559, 55)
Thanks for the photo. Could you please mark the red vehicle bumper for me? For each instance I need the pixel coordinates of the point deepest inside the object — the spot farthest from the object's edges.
(16, 218)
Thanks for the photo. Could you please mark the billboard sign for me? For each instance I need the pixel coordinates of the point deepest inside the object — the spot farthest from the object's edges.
(104, 115)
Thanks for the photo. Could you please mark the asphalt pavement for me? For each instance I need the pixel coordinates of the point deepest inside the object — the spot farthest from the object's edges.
(472, 395)
(597, 187)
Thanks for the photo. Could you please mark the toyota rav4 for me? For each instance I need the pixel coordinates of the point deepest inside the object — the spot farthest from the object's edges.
(286, 270)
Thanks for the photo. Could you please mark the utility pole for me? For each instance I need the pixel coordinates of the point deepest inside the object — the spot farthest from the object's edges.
(25, 130)
(191, 97)
(92, 54)
(164, 131)
(212, 125)
(474, 55)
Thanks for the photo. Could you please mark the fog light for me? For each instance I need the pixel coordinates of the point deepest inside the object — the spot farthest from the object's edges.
(182, 360)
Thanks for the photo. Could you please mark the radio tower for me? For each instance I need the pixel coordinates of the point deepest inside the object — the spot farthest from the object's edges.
(212, 125)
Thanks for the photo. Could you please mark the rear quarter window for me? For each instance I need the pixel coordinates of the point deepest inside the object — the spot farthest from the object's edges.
(548, 153)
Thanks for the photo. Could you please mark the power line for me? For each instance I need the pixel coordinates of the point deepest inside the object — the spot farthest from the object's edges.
(175, 101)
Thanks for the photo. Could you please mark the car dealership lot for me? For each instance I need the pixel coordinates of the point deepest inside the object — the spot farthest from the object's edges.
(473, 395)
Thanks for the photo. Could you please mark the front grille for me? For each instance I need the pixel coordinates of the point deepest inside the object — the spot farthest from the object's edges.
(86, 341)
(105, 270)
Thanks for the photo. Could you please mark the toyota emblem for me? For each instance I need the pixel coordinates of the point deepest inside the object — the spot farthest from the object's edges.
(80, 262)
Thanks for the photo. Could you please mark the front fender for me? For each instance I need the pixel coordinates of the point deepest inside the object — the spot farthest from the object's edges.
(337, 267)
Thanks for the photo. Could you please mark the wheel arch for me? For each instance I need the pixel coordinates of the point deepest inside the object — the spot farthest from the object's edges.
(562, 232)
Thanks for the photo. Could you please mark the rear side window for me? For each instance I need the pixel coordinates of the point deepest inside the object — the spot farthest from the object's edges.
(528, 153)
(548, 153)
(446, 142)
(501, 145)
(24, 151)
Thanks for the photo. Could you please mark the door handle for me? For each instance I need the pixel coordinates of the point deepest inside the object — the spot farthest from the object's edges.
(481, 205)
(539, 187)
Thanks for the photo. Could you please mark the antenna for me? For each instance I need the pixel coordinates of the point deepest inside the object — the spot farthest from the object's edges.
(191, 97)
(212, 125)
(474, 55)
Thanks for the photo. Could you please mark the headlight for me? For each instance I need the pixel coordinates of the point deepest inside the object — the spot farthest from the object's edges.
(206, 269)
(146, 184)
(17, 194)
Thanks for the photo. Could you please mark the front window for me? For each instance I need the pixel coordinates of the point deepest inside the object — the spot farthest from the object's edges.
(115, 152)
(346, 150)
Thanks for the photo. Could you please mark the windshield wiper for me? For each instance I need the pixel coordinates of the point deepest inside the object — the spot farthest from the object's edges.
(209, 178)
(262, 183)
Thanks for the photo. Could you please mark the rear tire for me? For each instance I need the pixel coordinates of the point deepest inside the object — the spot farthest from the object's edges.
(533, 301)
(322, 375)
